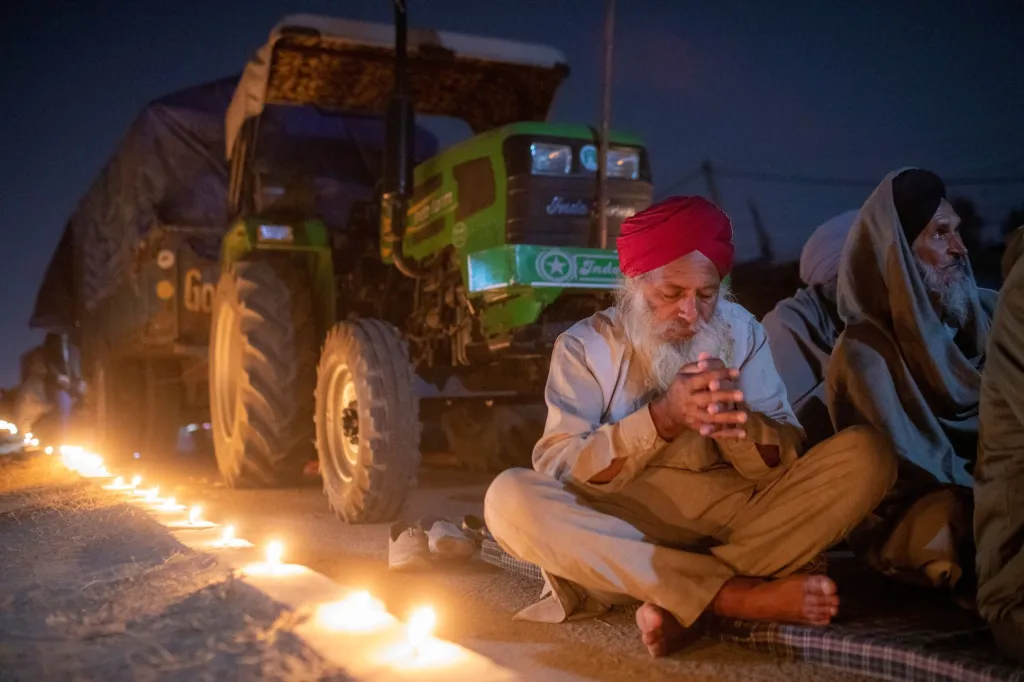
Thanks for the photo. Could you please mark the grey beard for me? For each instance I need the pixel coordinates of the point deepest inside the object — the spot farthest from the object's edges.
(951, 295)
(660, 359)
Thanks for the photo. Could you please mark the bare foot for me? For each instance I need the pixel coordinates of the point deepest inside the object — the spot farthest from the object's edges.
(660, 631)
(810, 599)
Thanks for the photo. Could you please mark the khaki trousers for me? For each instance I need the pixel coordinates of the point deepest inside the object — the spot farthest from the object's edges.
(673, 536)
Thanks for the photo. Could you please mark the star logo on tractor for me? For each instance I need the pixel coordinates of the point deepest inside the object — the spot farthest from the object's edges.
(555, 266)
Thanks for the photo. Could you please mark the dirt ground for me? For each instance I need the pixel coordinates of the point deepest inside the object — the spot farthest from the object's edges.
(475, 601)
(94, 589)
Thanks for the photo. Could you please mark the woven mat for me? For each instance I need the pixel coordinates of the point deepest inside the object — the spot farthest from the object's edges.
(888, 631)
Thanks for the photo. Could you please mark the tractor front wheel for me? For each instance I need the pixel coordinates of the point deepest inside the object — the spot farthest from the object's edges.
(367, 421)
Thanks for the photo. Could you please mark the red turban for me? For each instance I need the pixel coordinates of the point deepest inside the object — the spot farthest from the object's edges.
(671, 229)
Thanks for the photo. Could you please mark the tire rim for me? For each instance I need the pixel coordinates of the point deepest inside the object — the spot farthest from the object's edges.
(342, 422)
(224, 371)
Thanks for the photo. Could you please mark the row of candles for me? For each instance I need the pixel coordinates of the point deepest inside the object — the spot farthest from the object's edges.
(359, 612)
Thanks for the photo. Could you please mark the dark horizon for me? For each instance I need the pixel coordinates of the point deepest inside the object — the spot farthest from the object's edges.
(806, 95)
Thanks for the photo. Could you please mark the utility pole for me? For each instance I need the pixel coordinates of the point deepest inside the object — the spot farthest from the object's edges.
(606, 115)
(709, 179)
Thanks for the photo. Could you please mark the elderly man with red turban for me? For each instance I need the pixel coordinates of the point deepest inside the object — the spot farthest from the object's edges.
(670, 470)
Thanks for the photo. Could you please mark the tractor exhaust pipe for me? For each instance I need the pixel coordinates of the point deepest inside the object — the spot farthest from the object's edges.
(398, 151)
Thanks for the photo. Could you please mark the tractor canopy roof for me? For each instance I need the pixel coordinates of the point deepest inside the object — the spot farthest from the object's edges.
(349, 66)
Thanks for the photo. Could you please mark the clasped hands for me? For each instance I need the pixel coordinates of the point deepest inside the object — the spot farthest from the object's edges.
(703, 397)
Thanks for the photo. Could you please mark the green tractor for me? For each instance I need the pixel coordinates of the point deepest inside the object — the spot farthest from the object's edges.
(451, 284)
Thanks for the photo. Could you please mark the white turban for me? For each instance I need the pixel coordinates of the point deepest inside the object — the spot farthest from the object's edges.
(819, 259)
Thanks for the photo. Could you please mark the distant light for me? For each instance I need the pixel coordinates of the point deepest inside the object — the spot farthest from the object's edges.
(136, 480)
(137, 455)
(229, 535)
(275, 233)
(49, 450)
(194, 514)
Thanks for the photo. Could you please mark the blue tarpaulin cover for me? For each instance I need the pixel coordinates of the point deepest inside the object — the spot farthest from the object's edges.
(170, 169)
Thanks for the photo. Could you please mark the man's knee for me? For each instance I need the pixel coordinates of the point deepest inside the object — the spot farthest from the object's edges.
(863, 461)
(511, 501)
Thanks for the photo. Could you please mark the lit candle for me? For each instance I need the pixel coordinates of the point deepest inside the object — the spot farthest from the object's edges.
(194, 513)
(170, 505)
(136, 480)
(118, 484)
(275, 550)
(358, 612)
(228, 539)
(49, 450)
(421, 625)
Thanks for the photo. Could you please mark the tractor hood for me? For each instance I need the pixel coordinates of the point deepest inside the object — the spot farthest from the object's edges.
(349, 66)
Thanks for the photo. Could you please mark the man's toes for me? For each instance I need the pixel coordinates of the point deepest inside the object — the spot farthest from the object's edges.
(818, 615)
(650, 618)
(820, 585)
(821, 601)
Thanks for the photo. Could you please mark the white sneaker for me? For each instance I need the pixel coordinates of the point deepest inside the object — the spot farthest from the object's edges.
(447, 541)
(407, 548)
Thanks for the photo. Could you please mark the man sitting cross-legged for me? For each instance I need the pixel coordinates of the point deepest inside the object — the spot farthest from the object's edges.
(670, 469)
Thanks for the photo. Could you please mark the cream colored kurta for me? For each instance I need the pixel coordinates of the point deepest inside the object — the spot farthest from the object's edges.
(681, 518)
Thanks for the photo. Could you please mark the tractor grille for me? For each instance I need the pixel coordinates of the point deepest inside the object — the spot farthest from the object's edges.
(556, 211)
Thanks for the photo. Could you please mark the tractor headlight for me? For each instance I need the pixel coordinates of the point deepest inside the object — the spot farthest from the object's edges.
(276, 233)
(550, 159)
(623, 163)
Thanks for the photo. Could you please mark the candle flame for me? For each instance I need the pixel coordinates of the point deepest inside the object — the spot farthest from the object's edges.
(229, 534)
(358, 612)
(136, 480)
(275, 550)
(194, 513)
(421, 625)
(118, 481)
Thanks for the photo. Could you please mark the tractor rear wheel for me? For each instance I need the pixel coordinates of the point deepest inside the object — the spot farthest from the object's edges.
(262, 373)
(367, 421)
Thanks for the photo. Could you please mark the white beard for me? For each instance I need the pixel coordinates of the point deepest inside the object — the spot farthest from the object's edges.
(952, 290)
(661, 359)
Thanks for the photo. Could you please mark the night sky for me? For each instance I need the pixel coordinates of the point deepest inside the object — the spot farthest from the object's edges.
(817, 89)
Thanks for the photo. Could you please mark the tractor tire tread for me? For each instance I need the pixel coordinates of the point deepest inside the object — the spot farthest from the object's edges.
(273, 422)
(389, 426)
